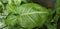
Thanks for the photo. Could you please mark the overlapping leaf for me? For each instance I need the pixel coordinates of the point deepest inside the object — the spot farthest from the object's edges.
(11, 20)
(30, 15)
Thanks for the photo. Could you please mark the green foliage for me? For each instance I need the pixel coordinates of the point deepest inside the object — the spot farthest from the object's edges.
(11, 20)
(27, 15)
(32, 16)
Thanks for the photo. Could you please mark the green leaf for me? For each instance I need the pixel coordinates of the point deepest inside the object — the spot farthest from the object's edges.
(11, 8)
(1, 8)
(57, 5)
(11, 20)
(49, 26)
(4, 1)
(32, 15)
(16, 2)
(25, 1)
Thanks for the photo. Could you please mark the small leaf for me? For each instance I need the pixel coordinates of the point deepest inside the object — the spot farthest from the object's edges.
(11, 8)
(16, 2)
(11, 20)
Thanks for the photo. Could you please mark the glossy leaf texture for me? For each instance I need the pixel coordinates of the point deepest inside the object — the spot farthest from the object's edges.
(32, 15)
